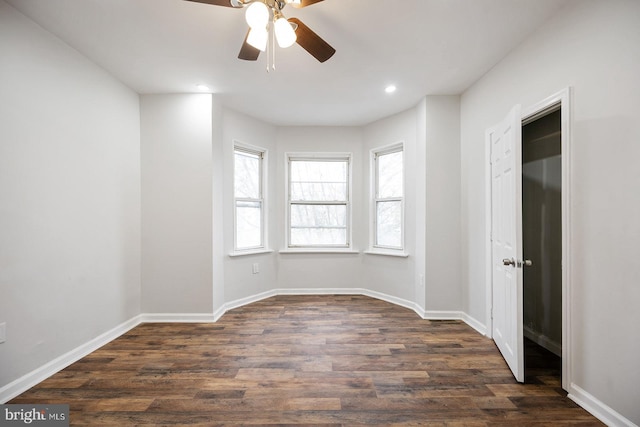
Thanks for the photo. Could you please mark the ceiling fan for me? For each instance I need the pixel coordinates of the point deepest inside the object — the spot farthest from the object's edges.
(262, 15)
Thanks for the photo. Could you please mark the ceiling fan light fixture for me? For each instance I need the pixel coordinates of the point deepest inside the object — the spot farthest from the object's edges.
(285, 34)
(267, 26)
(258, 38)
(257, 15)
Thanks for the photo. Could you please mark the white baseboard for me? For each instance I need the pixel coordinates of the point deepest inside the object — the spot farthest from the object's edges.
(543, 340)
(443, 315)
(597, 408)
(354, 291)
(317, 291)
(177, 318)
(455, 315)
(475, 324)
(219, 313)
(320, 291)
(394, 300)
(420, 311)
(40, 374)
(244, 301)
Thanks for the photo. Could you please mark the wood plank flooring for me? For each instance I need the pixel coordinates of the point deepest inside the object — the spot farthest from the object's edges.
(306, 360)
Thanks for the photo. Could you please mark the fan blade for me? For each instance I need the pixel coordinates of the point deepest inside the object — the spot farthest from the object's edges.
(225, 3)
(305, 3)
(248, 52)
(311, 42)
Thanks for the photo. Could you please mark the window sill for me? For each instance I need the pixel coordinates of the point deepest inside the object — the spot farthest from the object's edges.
(250, 252)
(318, 251)
(398, 254)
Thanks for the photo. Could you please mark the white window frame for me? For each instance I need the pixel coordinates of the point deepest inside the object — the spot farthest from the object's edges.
(373, 238)
(262, 153)
(320, 157)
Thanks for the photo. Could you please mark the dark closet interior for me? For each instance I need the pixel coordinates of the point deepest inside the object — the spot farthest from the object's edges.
(542, 244)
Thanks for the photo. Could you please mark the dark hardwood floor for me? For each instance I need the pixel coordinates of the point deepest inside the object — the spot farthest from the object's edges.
(305, 360)
(541, 366)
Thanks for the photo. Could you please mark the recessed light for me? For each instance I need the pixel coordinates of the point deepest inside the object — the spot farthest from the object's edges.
(390, 89)
(202, 87)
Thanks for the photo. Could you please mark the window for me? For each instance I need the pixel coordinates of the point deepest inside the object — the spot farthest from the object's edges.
(318, 202)
(248, 198)
(388, 198)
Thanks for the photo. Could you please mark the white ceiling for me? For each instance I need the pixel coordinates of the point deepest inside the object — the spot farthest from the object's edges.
(424, 47)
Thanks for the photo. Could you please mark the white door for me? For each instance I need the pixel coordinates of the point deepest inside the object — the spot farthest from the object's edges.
(505, 140)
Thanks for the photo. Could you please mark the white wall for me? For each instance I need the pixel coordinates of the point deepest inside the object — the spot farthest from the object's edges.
(217, 212)
(69, 198)
(591, 46)
(325, 270)
(442, 218)
(177, 203)
(429, 129)
(239, 280)
(431, 136)
(395, 276)
(187, 152)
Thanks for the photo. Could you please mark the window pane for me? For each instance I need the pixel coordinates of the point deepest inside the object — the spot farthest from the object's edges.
(318, 225)
(390, 175)
(389, 224)
(318, 237)
(247, 175)
(318, 216)
(248, 225)
(318, 180)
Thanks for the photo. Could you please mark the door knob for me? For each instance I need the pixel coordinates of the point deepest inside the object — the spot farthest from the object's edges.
(527, 263)
(508, 261)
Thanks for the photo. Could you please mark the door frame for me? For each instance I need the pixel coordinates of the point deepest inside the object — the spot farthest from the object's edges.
(539, 109)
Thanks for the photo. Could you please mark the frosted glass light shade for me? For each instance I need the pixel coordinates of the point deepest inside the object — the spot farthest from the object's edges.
(257, 15)
(284, 33)
(258, 38)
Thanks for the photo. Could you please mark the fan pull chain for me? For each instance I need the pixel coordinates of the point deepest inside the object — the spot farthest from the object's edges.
(273, 48)
(268, 52)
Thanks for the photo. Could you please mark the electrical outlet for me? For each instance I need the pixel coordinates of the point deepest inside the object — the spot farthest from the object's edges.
(256, 268)
(3, 332)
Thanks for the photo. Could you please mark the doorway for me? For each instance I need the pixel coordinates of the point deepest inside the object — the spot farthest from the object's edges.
(542, 245)
(504, 255)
